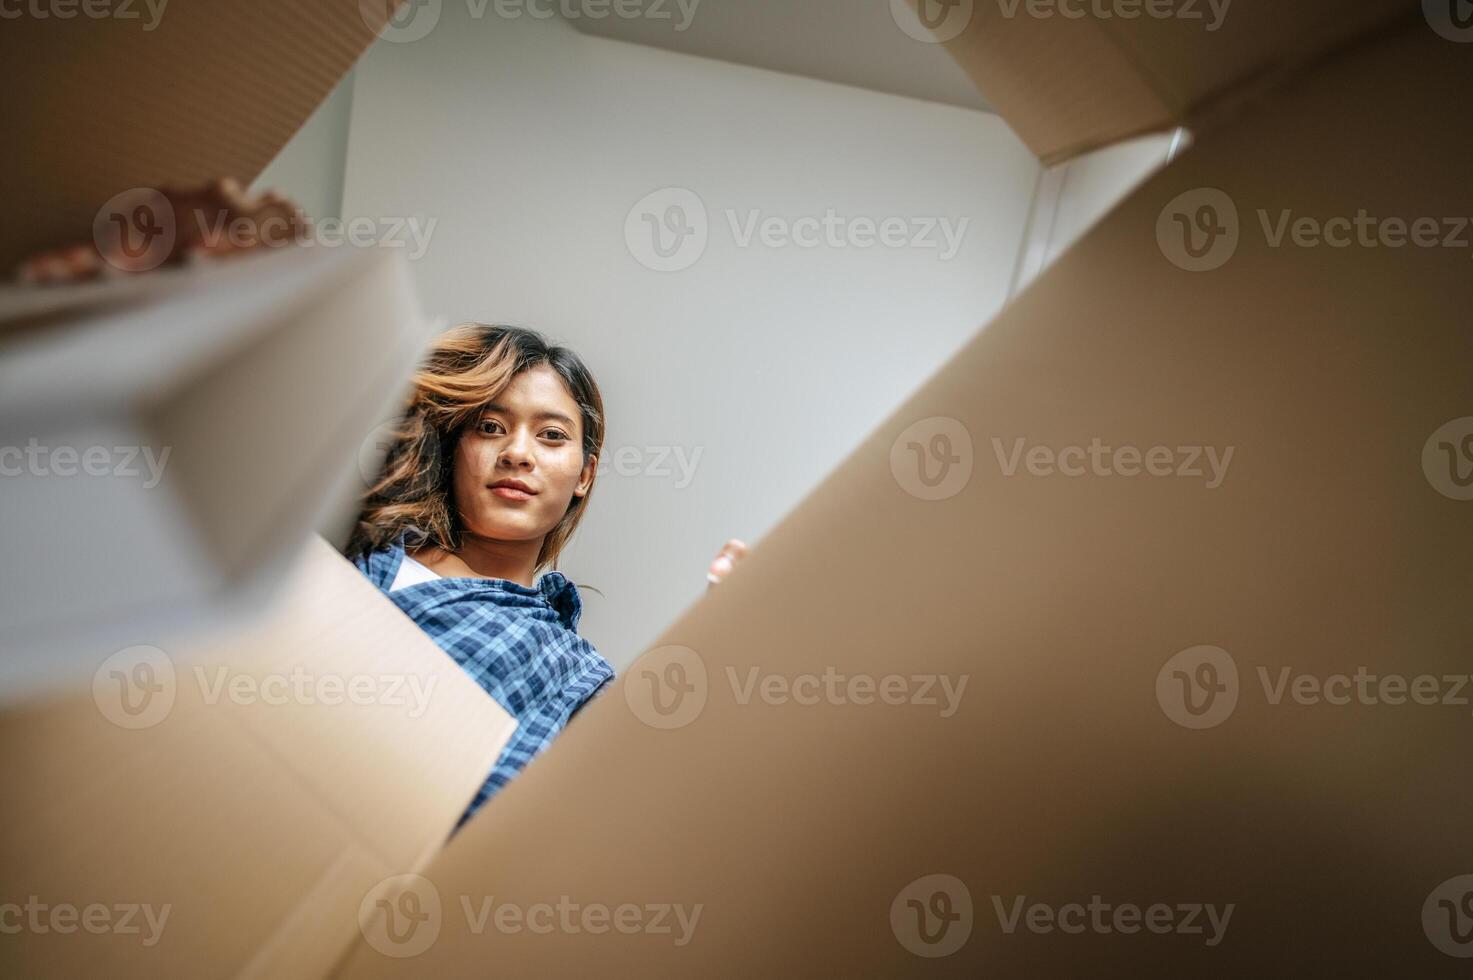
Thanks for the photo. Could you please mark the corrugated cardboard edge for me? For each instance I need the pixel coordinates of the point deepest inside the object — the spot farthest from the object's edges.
(99, 106)
(1069, 86)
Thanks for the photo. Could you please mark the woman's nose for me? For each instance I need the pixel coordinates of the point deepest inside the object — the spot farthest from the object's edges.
(518, 450)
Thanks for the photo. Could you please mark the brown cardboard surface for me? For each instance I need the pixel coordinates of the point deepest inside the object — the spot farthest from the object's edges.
(1327, 548)
(262, 818)
(106, 104)
(1073, 75)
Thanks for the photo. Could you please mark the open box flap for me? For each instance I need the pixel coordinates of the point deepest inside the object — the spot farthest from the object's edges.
(158, 93)
(805, 827)
(1073, 75)
(266, 787)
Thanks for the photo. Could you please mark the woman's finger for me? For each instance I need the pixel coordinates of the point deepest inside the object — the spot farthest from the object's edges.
(725, 560)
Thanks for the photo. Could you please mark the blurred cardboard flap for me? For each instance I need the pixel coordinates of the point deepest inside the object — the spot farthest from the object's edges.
(207, 90)
(666, 831)
(1069, 80)
(275, 778)
(252, 383)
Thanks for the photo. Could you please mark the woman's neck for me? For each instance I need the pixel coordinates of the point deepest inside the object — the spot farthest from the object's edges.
(478, 557)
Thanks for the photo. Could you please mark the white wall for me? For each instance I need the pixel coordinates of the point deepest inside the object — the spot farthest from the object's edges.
(310, 168)
(529, 143)
(1072, 197)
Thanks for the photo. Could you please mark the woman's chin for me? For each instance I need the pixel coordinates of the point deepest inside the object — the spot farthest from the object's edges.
(505, 527)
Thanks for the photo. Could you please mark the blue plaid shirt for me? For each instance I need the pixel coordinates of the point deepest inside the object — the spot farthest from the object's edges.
(520, 643)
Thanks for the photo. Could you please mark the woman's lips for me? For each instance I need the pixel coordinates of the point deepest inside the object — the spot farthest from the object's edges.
(512, 493)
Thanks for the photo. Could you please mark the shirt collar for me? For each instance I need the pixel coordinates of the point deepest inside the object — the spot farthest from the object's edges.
(555, 587)
(562, 595)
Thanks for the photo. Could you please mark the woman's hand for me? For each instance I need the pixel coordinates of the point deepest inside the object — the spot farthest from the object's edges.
(731, 553)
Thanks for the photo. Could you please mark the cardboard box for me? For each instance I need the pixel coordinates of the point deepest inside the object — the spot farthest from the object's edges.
(154, 93)
(231, 408)
(226, 808)
(845, 838)
(1041, 751)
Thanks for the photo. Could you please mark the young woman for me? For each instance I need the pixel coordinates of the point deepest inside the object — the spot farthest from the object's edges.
(488, 475)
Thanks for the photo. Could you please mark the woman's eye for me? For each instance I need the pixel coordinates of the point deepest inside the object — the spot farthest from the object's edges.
(490, 427)
(555, 435)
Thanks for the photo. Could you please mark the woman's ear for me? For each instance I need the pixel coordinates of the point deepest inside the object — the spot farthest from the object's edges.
(585, 479)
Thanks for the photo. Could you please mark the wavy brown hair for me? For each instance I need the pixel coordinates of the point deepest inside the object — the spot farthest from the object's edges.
(466, 367)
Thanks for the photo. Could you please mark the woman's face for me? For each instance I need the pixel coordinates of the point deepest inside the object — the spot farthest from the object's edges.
(531, 435)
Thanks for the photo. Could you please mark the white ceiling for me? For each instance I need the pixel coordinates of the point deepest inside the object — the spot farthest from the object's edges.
(853, 42)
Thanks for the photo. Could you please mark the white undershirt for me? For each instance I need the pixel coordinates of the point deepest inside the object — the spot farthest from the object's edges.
(410, 573)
